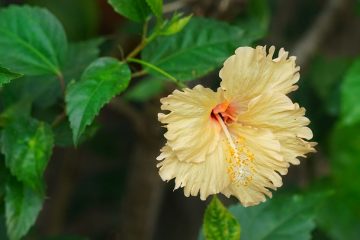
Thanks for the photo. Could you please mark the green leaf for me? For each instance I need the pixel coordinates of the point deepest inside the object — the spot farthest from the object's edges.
(79, 56)
(6, 76)
(145, 90)
(27, 145)
(256, 20)
(281, 218)
(350, 95)
(22, 206)
(45, 91)
(156, 7)
(32, 40)
(200, 48)
(219, 223)
(101, 81)
(175, 25)
(136, 10)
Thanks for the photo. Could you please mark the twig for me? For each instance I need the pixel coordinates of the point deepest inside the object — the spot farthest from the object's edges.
(61, 81)
(312, 39)
(138, 74)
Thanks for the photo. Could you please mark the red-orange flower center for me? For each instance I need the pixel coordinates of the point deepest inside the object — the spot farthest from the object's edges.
(226, 111)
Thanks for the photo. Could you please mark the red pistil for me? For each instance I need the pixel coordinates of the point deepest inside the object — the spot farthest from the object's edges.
(226, 111)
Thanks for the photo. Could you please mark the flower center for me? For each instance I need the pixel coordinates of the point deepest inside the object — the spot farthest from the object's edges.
(240, 159)
(226, 111)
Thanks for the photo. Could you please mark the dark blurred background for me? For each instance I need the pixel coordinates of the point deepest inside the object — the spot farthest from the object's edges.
(108, 188)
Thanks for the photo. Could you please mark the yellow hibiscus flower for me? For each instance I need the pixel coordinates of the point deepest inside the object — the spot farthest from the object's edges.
(240, 139)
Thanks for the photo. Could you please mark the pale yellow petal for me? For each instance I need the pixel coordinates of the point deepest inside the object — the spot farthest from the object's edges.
(191, 133)
(204, 178)
(251, 72)
(268, 163)
(285, 119)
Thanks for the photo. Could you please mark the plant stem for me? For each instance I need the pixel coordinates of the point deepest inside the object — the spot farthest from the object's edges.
(159, 70)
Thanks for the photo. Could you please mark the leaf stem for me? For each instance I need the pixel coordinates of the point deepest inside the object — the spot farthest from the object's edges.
(58, 119)
(144, 40)
(159, 70)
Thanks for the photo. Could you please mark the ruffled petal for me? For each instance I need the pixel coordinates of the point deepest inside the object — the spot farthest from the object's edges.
(204, 178)
(251, 72)
(285, 119)
(191, 132)
(267, 165)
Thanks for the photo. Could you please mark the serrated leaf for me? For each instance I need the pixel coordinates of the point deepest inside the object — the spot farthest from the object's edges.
(45, 91)
(6, 76)
(219, 223)
(32, 40)
(201, 47)
(281, 218)
(101, 81)
(156, 7)
(145, 90)
(27, 145)
(22, 206)
(350, 93)
(136, 10)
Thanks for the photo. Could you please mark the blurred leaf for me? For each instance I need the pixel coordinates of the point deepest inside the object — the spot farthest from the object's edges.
(63, 134)
(27, 145)
(34, 44)
(175, 25)
(65, 237)
(145, 90)
(79, 56)
(219, 223)
(281, 218)
(350, 95)
(201, 47)
(80, 18)
(101, 81)
(256, 21)
(325, 73)
(339, 217)
(6, 76)
(136, 10)
(156, 7)
(344, 154)
(22, 206)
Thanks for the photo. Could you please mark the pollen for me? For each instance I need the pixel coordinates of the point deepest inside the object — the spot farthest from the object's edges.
(240, 159)
(240, 163)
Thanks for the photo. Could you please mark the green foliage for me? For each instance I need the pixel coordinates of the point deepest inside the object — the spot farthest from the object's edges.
(27, 146)
(350, 94)
(136, 10)
(200, 48)
(101, 81)
(175, 24)
(338, 221)
(6, 76)
(34, 44)
(256, 21)
(145, 90)
(156, 7)
(219, 223)
(281, 218)
(22, 206)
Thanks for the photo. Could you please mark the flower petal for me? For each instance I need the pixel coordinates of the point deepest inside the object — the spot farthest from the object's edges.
(191, 132)
(268, 164)
(285, 119)
(251, 72)
(208, 177)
